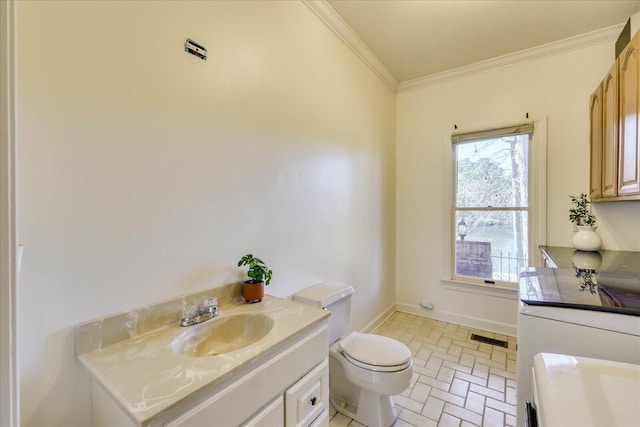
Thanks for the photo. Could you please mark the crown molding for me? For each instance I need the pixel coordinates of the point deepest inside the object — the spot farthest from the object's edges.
(604, 35)
(328, 15)
(334, 21)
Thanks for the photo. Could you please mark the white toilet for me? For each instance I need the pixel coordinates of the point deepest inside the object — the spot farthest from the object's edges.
(365, 370)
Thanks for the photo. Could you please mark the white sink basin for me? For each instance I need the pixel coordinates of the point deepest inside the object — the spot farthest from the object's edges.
(222, 335)
(586, 392)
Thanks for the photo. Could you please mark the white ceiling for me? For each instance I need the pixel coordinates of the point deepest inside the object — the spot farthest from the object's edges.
(417, 38)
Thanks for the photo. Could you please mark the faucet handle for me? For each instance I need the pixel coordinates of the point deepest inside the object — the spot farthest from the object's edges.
(189, 311)
(210, 302)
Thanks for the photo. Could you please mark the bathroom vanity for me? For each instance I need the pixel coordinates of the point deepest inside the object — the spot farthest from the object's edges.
(147, 370)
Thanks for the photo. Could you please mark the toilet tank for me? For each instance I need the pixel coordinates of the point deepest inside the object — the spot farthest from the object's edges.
(332, 296)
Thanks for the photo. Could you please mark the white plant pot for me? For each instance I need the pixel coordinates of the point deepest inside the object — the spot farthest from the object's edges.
(586, 239)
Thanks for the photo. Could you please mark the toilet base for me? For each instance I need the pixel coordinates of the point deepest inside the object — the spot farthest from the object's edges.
(373, 410)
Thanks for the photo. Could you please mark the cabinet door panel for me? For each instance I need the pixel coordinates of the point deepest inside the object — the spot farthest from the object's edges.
(629, 155)
(610, 133)
(595, 143)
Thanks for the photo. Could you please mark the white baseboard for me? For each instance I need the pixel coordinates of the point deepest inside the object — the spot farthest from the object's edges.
(460, 319)
(375, 323)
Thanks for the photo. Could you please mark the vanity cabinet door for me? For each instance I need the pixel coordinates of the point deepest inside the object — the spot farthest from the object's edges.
(271, 415)
(629, 153)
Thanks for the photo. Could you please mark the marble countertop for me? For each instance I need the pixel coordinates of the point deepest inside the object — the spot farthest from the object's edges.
(136, 365)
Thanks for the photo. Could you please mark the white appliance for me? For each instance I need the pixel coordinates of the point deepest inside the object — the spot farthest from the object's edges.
(585, 392)
(555, 328)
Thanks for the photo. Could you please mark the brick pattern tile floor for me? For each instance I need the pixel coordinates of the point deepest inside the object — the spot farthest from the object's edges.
(456, 381)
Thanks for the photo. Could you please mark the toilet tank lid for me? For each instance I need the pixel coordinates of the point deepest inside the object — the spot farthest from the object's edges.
(323, 294)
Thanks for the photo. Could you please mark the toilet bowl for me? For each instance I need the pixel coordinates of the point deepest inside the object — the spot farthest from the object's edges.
(375, 368)
(365, 370)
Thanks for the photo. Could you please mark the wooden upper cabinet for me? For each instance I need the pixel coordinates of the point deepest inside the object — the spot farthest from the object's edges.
(614, 110)
(595, 142)
(629, 152)
(610, 133)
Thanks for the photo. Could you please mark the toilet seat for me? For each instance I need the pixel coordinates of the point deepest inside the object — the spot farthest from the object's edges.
(375, 352)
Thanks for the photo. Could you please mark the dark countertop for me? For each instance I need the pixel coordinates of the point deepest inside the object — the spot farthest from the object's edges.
(603, 281)
(602, 260)
(617, 292)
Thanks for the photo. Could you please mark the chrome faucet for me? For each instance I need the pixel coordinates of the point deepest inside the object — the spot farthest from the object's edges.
(195, 314)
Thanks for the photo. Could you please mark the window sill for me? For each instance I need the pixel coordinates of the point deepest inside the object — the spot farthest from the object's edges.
(497, 290)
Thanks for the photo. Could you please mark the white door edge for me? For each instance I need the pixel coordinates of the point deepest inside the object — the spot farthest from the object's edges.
(9, 385)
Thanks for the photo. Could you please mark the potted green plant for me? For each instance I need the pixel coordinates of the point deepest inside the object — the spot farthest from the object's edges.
(586, 239)
(580, 214)
(260, 276)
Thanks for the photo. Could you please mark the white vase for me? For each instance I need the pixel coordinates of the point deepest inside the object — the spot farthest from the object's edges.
(586, 239)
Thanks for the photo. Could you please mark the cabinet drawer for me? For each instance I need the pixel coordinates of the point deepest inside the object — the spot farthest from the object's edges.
(307, 398)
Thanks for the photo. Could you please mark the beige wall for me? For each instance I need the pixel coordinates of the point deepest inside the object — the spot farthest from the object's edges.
(145, 173)
(555, 87)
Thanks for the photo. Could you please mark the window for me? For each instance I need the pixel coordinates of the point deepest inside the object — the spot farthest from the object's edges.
(492, 212)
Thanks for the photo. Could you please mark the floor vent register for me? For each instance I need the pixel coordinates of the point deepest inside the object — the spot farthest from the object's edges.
(488, 340)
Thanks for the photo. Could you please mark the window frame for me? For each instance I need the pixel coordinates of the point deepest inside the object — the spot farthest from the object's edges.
(536, 209)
